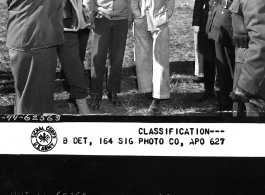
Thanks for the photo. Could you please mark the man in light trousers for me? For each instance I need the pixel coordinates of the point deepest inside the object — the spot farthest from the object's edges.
(151, 39)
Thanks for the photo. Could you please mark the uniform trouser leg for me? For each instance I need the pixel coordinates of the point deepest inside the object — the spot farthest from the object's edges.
(83, 35)
(100, 45)
(117, 48)
(209, 75)
(152, 61)
(224, 57)
(72, 66)
(34, 75)
(143, 54)
(237, 107)
(199, 62)
(161, 89)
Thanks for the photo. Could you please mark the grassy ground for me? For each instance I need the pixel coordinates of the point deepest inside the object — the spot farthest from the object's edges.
(183, 91)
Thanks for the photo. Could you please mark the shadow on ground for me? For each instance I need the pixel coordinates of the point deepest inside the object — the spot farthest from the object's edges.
(182, 102)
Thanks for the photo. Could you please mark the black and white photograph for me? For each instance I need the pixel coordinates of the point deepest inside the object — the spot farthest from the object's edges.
(125, 97)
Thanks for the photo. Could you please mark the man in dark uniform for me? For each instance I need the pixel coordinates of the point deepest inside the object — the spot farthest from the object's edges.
(205, 47)
(248, 21)
(219, 29)
(34, 28)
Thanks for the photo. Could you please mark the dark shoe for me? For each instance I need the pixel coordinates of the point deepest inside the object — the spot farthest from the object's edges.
(240, 95)
(154, 108)
(206, 96)
(198, 79)
(146, 98)
(95, 102)
(113, 97)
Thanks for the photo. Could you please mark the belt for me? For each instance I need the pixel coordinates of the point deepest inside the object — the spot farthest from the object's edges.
(240, 41)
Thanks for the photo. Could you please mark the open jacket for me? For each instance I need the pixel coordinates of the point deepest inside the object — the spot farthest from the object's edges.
(34, 24)
(157, 12)
(74, 16)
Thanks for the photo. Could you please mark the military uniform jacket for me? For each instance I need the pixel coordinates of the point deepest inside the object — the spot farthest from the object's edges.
(201, 15)
(34, 24)
(219, 27)
(248, 22)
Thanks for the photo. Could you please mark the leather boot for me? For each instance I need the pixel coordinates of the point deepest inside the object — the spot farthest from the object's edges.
(82, 106)
(113, 97)
(240, 95)
(198, 79)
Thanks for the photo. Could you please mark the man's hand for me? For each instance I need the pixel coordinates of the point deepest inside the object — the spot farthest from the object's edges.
(91, 25)
(196, 29)
(88, 18)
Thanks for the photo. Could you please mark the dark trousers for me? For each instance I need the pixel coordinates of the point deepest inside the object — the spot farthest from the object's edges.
(207, 48)
(209, 75)
(108, 35)
(225, 62)
(34, 75)
(72, 66)
(83, 35)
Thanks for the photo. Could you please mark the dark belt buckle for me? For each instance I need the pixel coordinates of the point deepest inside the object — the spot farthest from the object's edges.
(225, 4)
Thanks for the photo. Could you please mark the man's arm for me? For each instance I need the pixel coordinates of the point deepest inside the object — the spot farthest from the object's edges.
(253, 69)
(136, 12)
(129, 10)
(90, 5)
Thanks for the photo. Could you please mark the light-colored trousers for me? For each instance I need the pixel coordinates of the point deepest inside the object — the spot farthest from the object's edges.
(199, 68)
(152, 60)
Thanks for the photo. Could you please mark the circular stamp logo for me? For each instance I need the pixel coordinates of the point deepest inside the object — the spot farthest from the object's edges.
(44, 140)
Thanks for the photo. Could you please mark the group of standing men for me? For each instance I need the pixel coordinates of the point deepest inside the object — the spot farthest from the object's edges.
(39, 30)
(231, 37)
